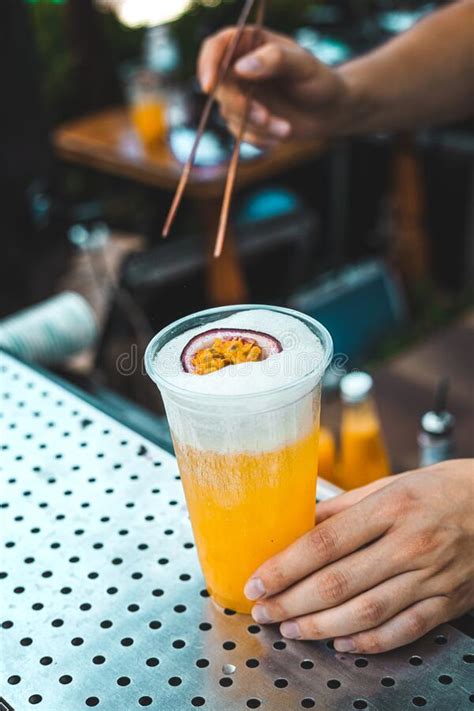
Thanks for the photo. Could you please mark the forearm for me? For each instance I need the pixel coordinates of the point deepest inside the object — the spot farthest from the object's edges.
(425, 76)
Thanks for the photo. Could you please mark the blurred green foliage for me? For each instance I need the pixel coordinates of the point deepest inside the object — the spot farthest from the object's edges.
(56, 59)
(123, 43)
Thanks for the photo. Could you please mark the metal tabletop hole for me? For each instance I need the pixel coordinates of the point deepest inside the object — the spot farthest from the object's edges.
(445, 679)
(225, 681)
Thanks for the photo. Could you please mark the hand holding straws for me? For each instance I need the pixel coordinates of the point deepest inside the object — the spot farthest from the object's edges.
(232, 173)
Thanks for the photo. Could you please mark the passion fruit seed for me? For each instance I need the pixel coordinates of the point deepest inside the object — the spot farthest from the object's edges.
(218, 348)
(223, 353)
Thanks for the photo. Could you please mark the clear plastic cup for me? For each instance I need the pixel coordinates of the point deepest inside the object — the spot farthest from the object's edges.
(248, 463)
(148, 104)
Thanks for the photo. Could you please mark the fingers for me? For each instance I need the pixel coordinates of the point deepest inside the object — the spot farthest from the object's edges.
(260, 141)
(328, 542)
(363, 612)
(276, 60)
(210, 57)
(328, 508)
(331, 586)
(214, 48)
(268, 129)
(402, 629)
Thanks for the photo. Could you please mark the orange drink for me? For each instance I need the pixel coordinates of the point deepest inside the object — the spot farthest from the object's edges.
(263, 502)
(149, 120)
(241, 387)
(326, 454)
(148, 104)
(363, 454)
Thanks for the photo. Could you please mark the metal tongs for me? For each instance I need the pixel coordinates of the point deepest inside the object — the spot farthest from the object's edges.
(232, 172)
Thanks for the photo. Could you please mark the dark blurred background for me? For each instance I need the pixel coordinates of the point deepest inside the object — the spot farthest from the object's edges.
(373, 235)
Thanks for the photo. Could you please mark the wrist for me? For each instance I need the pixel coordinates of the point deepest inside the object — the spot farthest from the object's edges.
(358, 109)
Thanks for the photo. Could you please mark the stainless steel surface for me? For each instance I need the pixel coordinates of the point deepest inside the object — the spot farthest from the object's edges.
(102, 597)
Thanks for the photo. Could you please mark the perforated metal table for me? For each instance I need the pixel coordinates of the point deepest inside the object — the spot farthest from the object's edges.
(102, 599)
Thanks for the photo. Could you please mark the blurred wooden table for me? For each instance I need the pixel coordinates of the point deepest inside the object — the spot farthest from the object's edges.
(106, 141)
(404, 389)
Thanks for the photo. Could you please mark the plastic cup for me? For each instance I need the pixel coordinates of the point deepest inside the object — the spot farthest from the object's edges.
(148, 105)
(248, 463)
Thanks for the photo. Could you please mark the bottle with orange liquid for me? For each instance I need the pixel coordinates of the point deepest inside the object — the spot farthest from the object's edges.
(363, 453)
(326, 454)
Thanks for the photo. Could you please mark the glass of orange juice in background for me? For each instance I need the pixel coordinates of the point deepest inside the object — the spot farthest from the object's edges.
(147, 99)
(242, 387)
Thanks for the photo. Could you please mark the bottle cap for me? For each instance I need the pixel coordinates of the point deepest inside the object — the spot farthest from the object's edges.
(437, 423)
(355, 387)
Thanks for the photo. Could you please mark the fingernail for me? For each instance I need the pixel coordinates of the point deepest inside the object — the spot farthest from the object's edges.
(290, 630)
(258, 115)
(254, 589)
(260, 614)
(344, 644)
(206, 78)
(249, 65)
(279, 127)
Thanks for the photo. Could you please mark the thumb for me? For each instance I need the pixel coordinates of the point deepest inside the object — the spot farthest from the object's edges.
(274, 60)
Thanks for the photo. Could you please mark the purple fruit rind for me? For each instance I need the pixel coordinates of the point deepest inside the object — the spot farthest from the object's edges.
(270, 344)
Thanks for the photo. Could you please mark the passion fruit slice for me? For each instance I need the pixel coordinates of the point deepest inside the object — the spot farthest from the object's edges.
(219, 347)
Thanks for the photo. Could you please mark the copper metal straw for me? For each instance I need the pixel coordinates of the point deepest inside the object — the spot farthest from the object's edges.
(230, 182)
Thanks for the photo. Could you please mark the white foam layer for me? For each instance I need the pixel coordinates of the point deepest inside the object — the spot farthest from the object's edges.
(271, 420)
(302, 352)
